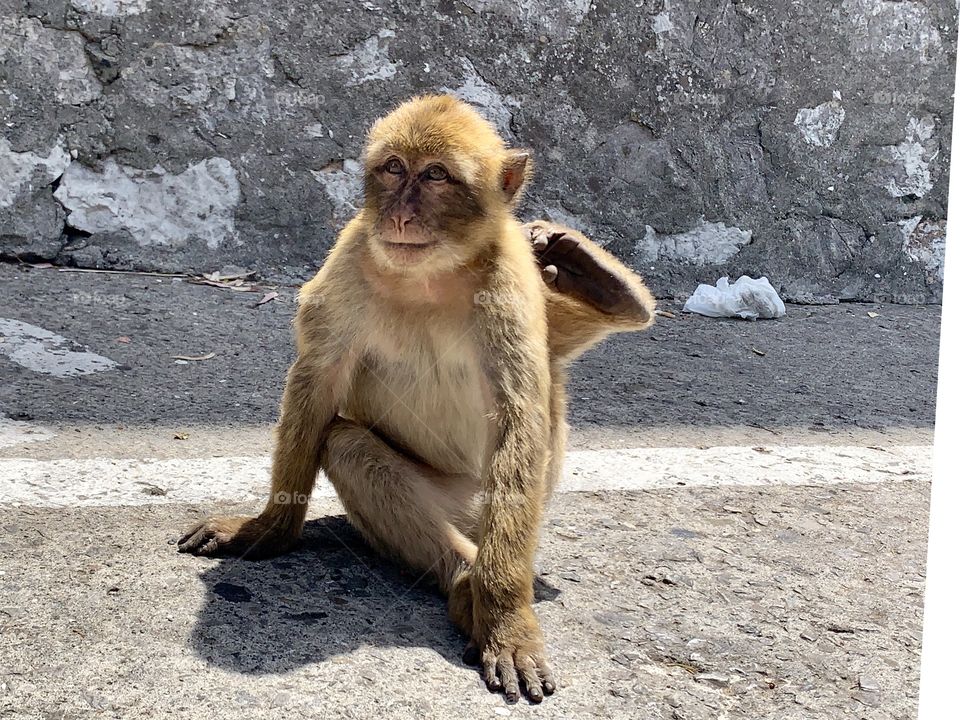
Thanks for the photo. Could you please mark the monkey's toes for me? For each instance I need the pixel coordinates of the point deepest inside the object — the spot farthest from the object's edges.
(512, 670)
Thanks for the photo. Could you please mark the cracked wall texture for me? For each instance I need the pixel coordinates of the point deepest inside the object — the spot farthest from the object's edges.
(808, 142)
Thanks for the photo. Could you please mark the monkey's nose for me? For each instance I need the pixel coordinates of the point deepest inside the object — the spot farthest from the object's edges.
(401, 219)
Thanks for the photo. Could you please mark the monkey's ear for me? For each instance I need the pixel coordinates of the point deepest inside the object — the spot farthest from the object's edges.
(515, 172)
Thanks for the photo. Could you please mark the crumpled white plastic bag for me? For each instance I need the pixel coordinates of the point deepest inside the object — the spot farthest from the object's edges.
(746, 298)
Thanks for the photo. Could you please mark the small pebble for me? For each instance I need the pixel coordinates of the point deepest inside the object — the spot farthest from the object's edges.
(871, 699)
(715, 679)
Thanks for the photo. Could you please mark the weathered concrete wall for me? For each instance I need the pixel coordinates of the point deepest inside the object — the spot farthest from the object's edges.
(806, 141)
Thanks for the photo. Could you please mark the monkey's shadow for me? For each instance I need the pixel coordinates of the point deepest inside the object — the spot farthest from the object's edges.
(333, 594)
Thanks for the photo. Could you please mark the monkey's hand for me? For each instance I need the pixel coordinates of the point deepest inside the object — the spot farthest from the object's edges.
(251, 538)
(507, 644)
(575, 266)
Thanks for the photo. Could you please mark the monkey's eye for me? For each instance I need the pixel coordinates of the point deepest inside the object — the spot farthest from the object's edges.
(394, 167)
(436, 172)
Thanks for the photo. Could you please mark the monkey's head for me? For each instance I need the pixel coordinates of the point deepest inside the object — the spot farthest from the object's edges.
(438, 184)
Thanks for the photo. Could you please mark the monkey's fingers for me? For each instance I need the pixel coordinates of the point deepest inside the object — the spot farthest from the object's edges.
(507, 672)
(565, 250)
(189, 533)
(529, 671)
(539, 239)
(219, 536)
(546, 675)
(199, 540)
(584, 276)
(510, 672)
(489, 670)
(538, 234)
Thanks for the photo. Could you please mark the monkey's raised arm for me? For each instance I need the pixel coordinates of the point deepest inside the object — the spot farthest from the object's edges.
(589, 292)
(580, 269)
(316, 384)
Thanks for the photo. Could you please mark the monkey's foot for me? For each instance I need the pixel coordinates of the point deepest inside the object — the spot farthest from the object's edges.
(508, 647)
(513, 654)
(251, 538)
(569, 265)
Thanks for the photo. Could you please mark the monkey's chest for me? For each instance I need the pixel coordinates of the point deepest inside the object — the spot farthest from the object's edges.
(434, 403)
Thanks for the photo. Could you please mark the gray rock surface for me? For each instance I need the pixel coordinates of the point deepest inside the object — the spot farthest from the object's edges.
(808, 143)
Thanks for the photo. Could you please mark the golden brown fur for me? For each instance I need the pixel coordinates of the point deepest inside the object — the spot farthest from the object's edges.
(429, 380)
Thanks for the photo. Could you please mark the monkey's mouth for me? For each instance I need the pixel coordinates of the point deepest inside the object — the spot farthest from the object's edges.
(410, 245)
(408, 251)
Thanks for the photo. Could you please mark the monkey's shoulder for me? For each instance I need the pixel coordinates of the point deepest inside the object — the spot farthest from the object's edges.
(511, 291)
(335, 283)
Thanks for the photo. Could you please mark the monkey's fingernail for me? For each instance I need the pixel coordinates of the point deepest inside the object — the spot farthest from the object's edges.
(549, 273)
(539, 242)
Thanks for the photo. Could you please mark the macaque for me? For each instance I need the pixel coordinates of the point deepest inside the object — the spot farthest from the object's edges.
(432, 349)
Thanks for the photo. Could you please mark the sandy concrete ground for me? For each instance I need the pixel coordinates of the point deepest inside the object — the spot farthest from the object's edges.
(738, 603)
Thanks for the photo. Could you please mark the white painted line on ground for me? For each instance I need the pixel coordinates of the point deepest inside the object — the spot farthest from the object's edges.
(658, 468)
(45, 352)
(107, 482)
(16, 432)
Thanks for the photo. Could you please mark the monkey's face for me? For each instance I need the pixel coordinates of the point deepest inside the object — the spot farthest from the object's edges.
(439, 183)
(424, 210)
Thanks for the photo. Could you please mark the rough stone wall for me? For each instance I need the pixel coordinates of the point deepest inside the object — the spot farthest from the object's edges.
(807, 141)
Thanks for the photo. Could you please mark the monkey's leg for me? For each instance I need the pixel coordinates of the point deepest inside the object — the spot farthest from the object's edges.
(558, 427)
(403, 508)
